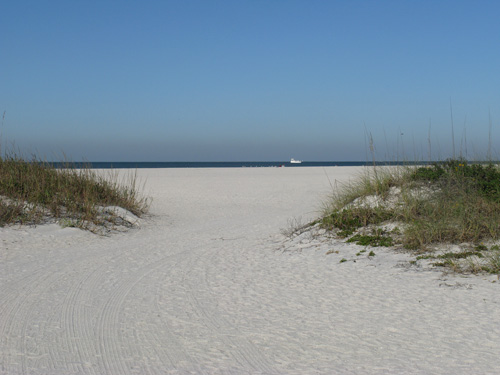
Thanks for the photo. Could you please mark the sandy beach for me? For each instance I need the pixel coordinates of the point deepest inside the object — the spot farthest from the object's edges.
(208, 284)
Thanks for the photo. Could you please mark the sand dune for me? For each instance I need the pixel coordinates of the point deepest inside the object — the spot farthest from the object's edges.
(208, 285)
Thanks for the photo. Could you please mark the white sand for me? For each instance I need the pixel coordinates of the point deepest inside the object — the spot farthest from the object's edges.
(204, 286)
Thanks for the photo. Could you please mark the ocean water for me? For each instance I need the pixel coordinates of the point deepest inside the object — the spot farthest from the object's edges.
(224, 164)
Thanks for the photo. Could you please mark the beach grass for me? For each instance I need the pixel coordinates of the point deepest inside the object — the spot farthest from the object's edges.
(33, 191)
(449, 202)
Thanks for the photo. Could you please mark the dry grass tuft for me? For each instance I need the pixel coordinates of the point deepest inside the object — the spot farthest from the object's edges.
(32, 191)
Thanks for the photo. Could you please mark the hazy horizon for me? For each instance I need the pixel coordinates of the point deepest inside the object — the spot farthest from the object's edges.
(250, 80)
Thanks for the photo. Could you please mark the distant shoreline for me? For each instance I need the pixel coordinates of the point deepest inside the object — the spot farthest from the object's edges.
(231, 164)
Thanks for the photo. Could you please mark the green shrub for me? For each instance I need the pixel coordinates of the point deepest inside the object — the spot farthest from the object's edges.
(374, 241)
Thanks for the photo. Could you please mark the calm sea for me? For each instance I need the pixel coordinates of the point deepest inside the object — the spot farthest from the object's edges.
(224, 164)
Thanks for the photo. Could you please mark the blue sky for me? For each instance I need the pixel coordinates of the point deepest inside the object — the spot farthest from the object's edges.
(249, 80)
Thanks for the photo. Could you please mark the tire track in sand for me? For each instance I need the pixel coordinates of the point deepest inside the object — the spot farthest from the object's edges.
(113, 356)
(243, 351)
(19, 305)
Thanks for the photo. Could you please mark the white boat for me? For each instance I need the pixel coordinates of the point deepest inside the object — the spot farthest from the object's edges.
(293, 161)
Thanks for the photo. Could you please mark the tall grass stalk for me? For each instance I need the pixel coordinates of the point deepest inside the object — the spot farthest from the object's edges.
(452, 132)
(489, 135)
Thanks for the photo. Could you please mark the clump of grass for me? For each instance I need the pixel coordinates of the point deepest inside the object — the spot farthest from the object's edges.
(33, 190)
(377, 182)
(493, 262)
(465, 206)
(460, 255)
(448, 202)
(374, 241)
(9, 211)
(479, 259)
(350, 219)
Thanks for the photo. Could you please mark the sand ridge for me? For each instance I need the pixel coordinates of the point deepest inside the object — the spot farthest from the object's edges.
(208, 284)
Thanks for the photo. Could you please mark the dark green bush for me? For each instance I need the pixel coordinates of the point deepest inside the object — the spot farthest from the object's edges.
(374, 241)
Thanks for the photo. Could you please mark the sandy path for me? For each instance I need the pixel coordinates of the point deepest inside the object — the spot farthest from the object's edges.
(202, 287)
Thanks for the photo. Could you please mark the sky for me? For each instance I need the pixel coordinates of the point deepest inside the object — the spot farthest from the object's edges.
(250, 80)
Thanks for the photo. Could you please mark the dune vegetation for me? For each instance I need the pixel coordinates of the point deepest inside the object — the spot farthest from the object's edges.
(421, 208)
(34, 191)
